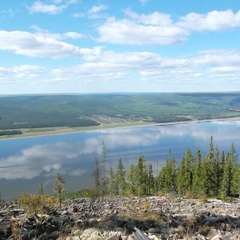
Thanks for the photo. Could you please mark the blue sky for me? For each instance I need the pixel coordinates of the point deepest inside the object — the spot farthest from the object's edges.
(86, 46)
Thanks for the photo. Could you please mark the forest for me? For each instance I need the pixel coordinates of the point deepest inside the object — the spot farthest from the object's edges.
(215, 175)
(38, 111)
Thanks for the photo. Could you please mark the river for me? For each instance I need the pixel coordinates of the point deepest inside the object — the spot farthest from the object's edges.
(25, 163)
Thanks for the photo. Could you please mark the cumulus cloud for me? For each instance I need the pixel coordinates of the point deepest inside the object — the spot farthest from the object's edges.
(159, 28)
(218, 57)
(56, 36)
(121, 32)
(19, 73)
(37, 160)
(38, 45)
(206, 67)
(212, 21)
(54, 7)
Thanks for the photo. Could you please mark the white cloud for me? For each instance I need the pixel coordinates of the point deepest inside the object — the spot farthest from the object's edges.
(38, 45)
(22, 73)
(226, 69)
(39, 7)
(37, 160)
(97, 9)
(108, 68)
(212, 21)
(121, 32)
(56, 36)
(159, 28)
(154, 19)
(73, 35)
(218, 57)
(96, 12)
(52, 8)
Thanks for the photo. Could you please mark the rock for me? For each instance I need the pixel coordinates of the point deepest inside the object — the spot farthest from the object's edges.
(213, 233)
(154, 230)
(103, 218)
(54, 235)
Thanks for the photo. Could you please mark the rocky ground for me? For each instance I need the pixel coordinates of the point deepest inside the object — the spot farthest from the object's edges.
(115, 218)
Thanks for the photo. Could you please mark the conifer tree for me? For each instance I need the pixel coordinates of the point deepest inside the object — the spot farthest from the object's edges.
(208, 171)
(141, 176)
(150, 180)
(111, 188)
(230, 184)
(217, 173)
(197, 184)
(104, 179)
(167, 176)
(184, 176)
(131, 180)
(96, 176)
(120, 177)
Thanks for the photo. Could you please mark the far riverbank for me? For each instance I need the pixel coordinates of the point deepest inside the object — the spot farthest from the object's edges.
(48, 131)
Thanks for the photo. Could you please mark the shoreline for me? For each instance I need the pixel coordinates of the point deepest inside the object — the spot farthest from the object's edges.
(50, 131)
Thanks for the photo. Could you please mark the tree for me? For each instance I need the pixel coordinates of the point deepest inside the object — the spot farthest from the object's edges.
(230, 180)
(40, 189)
(208, 171)
(131, 180)
(120, 177)
(104, 179)
(141, 176)
(111, 188)
(184, 176)
(59, 182)
(96, 176)
(197, 183)
(150, 180)
(167, 176)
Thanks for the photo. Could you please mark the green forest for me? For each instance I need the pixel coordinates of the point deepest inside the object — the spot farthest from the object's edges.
(215, 175)
(37, 111)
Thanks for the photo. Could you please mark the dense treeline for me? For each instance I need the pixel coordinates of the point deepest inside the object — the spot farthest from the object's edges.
(66, 110)
(10, 132)
(215, 175)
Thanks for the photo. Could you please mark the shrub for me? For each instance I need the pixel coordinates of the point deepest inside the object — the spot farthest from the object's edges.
(37, 203)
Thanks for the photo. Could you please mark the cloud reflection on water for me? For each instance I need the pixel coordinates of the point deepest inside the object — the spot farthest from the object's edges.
(72, 158)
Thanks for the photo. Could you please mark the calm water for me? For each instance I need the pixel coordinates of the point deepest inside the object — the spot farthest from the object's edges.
(26, 163)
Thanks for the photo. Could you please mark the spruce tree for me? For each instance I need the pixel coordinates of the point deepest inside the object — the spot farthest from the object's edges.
(131, 181)
(167, 176)
(96, 176)
(184, 176)
(120, 177)
(104, 178)
(111, 188)
(208, 171)
(141, 176)
(197, 182)
(150, 180)
(230, 184)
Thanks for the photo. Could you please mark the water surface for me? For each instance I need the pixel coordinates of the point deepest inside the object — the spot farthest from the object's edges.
(25, 163)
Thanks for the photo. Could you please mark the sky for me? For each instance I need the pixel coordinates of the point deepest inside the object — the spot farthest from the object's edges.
(105, 46)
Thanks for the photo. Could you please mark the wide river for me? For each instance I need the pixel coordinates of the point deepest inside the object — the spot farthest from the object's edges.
(25, 163)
